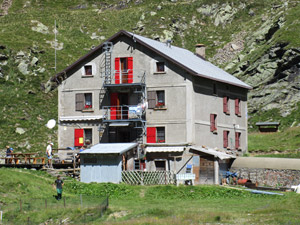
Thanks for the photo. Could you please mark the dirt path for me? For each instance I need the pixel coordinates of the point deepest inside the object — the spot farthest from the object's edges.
(5, 7)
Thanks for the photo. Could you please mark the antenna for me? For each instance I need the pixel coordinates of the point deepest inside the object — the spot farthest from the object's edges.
(55, 44)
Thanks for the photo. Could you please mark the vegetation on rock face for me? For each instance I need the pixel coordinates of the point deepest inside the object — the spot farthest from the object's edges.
(257, 41)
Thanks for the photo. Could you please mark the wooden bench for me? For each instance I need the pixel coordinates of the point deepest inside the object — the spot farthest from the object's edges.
(35, 159)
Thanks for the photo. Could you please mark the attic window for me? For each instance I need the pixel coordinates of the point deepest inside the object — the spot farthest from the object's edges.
(88, 71)
(160, 67)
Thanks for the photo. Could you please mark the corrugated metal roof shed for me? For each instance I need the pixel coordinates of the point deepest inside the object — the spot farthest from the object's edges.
(210, 151)
(266, 163)
(110, 148)
(164, 149)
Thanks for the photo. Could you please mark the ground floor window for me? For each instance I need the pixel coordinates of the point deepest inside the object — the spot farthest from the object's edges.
(83, 137)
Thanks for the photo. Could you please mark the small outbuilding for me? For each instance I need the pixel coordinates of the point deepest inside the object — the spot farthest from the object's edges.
(268, 126)
(105, 162)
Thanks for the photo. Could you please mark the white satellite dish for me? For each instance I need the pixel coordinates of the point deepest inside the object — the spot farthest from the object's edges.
(51, 123)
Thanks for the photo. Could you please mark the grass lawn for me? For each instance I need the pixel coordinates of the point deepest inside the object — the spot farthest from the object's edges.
(138, 204)
(287, 142)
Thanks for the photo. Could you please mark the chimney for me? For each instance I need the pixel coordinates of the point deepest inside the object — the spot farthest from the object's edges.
(200, 50)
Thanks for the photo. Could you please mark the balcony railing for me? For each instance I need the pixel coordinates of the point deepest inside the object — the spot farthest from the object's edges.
(124, 112)
(128, 76)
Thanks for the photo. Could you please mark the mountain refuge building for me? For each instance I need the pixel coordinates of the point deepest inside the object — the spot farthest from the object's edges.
(181, 110)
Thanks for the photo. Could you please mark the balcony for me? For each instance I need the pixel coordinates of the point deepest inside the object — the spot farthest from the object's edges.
(125, 78)
(124, 113)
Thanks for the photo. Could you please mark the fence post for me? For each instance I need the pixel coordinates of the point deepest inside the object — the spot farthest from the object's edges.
(28, 220)
(65, 202)
(20, 205)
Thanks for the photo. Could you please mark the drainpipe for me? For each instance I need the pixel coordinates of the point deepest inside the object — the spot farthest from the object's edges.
(216, 168)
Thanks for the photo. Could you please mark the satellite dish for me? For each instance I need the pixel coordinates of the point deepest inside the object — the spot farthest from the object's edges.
(51, 123)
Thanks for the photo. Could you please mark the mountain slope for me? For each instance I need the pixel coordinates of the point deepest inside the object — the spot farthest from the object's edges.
(256, 41)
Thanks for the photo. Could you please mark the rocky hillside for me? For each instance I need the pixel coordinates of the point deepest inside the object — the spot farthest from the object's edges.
(257, 41)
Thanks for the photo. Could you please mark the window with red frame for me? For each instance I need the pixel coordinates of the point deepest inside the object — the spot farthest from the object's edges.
(237, 140)
(225, 138)
(237, 107)
(213, 122)
(83, 101)
(156, 135)
(226, 105)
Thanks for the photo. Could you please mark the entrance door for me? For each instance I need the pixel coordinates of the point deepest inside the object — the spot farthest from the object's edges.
(206, 175)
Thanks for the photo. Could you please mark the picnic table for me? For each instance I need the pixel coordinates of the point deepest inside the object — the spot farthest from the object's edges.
(26, 157)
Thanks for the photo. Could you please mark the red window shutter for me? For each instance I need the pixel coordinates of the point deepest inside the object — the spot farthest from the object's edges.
(151, 135)
(237, 140)
(225, 104)
(117, 70)
(237, 106)
(130, 69)
(113, 103)
(78, 137)
(225, 138)
(212, 122)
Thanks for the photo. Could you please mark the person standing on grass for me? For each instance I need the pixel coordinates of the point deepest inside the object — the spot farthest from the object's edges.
(59, 185)
(49, 154)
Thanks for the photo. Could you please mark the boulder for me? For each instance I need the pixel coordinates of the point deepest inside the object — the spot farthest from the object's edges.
(23, 68)
(39, 27)
(153, 13)
(3, 57)
(34, 61)
(20, 130)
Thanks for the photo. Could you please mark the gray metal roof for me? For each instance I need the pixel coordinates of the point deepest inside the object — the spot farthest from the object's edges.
(181, 57)
(110, 148)
(210, 151)
(267, 124)
(266, 163)
(80, 118)
(193, 62)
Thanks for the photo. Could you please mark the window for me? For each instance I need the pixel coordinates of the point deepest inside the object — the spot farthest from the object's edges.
(160, 134)
(83, 101)
(88, 101)
(124, 70)
(226, 105)
(237, 140)
(225, 138)
(213, 123)
(83, 137)
(156, 135)
(88, 71)
(160, 67)
(237, 107)
(160, 165)
(156, 99)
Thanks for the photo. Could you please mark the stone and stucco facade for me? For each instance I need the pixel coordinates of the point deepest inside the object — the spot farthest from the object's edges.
(182, 109)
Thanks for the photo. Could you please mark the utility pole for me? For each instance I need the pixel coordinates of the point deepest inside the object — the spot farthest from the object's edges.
(55, 44)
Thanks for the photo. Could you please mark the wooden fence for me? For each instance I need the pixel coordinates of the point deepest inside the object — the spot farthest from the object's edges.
(138, 177)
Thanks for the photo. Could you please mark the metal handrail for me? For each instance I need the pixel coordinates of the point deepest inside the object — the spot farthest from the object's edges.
(125, 79)
(123, 112)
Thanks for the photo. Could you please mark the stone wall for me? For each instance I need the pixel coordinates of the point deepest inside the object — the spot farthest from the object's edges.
(269, 177)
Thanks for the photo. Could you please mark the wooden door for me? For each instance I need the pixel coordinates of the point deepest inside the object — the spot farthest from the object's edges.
(196, 168)
(206, 175)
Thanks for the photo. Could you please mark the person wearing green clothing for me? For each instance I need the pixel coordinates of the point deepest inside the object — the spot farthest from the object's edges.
(59, 185)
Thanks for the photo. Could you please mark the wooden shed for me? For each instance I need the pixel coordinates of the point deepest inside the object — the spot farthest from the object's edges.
(105, 162)
(210, 165)
(268, 126)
